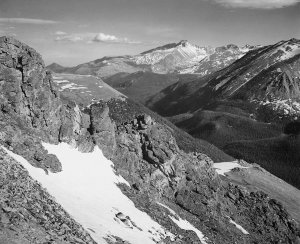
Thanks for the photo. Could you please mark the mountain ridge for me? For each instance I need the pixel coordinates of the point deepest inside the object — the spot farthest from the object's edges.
(173, 57)
(179, 189)
(234, 108)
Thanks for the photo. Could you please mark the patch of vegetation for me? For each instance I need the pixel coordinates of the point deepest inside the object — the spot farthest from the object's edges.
(292, 128)
(221, 128)
(280, 156)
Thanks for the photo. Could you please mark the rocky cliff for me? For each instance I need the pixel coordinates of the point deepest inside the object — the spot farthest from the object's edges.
(145, 151)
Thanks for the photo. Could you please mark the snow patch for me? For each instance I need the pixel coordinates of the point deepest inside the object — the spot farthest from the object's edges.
(285, 107)
(61, 81)
(67, 86)
(290, 51)
(184, 224)
(239, 227)
(87, 189)
(225, 167)
(170, 210)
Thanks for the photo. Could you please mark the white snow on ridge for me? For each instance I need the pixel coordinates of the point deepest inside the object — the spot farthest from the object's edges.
(239, 227)
(225, 167)
(170, 210)
(187, 51)
(56, 77)
(291, 52)
(285, 106)
(67, 86)
(70, 85)
(61, 81)
(87, 189)
(184, 224)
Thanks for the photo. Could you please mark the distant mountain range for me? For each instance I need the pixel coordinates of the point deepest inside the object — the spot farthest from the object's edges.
(145, 74)
(243, 107)
(267, 77)
(82, 163)
(181, 57)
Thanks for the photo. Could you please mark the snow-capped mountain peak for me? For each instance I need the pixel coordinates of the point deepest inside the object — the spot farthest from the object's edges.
(180, 52)
(179, 57)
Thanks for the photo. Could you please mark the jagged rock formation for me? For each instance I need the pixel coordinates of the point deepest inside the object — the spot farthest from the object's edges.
(28, 214)
(145, 151)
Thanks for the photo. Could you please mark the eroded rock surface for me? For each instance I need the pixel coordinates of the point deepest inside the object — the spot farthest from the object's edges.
(144, 151)
(28, 214)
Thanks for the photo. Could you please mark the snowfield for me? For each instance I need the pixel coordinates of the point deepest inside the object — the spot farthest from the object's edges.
(225, 167)
(184, 224)
(87, 189)
(239, 227)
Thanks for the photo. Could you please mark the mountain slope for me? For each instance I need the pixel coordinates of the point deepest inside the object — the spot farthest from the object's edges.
(141, 86)
(250, 78)
(252, 99)
(179, 193)
(145, 74)
(84, 88)
(181, 57)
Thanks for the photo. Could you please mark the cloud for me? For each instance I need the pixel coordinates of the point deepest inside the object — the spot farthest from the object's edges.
(27, 21)
(101, 37)
(61, 36)
(257, 4)
(90, 37)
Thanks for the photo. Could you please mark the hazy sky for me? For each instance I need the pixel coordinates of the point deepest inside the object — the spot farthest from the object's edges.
(70, 32)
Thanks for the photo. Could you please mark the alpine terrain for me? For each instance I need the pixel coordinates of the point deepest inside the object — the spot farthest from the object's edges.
(83, 163)
(145, 74)
(250, 109)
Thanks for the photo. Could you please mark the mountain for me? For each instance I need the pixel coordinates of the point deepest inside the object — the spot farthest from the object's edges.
(54, 66)
(84, 88)
(144, 75)
(142, 85)
(259, 76)
(220, 58)
(181, 57)
(114, 172)
(250, 100)
(173, 57)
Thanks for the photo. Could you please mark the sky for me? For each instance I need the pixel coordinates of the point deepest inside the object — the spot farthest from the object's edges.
(70, 32)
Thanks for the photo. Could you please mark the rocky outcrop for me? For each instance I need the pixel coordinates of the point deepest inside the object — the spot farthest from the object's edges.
(144, 151)
(31, 109)
(26, 90)
(148, 157)
(28, 214)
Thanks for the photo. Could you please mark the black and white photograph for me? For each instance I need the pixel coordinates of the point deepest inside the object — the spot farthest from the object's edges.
(149, 121)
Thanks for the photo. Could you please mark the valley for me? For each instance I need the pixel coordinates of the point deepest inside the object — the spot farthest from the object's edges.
(220, 166)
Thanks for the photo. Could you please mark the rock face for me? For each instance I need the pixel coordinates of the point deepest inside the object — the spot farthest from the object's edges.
(148, 157)
(27, 90)
(29, 103)
(144, 150)
(28, 214)
(31, 109)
